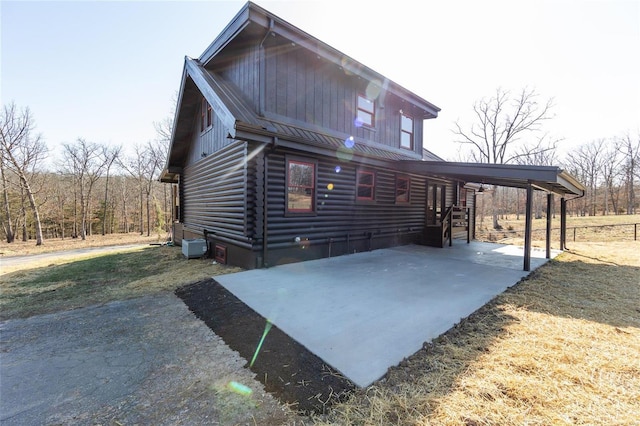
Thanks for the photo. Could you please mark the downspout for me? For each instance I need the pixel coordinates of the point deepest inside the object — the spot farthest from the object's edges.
(261, 111)
(265, 189)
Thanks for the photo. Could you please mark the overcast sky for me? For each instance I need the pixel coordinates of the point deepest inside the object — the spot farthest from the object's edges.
(105, 71)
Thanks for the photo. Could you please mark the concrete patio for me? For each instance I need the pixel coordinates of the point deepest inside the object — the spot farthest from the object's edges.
(365, 312)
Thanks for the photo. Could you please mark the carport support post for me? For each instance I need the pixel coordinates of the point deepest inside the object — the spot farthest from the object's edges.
(527, 228)
(549, 207)
(563, 224)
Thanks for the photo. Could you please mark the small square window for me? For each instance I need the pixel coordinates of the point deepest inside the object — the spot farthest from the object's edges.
(365, 186)
(366, 112)
(301, 186)
(403, 189)
(406, 132)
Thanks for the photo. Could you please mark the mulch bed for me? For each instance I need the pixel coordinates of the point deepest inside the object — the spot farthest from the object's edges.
(287, 369)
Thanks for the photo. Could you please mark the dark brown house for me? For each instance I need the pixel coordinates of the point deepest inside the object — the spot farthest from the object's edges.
(284, 149)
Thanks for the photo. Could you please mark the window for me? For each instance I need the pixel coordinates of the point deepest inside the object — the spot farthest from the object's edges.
(366, 112)
(403, 187)
(406, 131)
(463, 197)
(205, 115)
(301, 186)
(365, 186)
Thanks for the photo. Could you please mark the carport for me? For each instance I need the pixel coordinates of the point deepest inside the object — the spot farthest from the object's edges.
(550, 179)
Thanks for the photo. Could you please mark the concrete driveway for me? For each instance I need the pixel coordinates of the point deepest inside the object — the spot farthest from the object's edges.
(365, 312)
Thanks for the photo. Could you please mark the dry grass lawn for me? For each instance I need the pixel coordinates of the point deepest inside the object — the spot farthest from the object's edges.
(21, 248)
(579, 229)
(559, 348)
(69, 282)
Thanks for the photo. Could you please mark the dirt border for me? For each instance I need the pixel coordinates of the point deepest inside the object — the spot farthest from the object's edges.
(285, 367)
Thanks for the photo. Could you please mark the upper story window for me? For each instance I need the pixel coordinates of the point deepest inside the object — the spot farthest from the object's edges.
(406, 131)
(365, 185)
(206, 119)
(366, 114)
(301, 186)
(403, 188)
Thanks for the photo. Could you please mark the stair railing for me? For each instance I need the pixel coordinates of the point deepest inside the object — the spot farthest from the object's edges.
(447, 231)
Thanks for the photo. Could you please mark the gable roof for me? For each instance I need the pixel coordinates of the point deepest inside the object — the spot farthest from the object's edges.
(242, 121)
(253, 19)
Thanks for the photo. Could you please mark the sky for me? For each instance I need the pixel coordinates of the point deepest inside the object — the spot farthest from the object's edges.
(106, 71)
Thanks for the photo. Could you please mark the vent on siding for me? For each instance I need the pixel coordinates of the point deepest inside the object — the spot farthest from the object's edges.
(220, 254)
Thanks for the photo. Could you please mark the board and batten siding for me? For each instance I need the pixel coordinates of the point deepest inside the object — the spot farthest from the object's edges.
(242, 71)
(207, 142)
(306, 90)
(214, 194)
(338, 214)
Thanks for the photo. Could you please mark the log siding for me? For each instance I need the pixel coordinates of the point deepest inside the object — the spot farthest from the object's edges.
(337, 212)
(215, 195)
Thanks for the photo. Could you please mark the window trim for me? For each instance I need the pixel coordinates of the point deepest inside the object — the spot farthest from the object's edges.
(408, 189)
(372, 173)
(314, 182)
(372, 113)
(206, 115)
(411, 134)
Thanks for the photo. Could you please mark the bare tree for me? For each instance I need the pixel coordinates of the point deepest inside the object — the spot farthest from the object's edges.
(110, 155)
(84, 161)
(6, 222)
(164, 131)
(153, 156)
(144, 166)
(630, 148)
(611, 171)
(504, 124)
(22, 152)
(587, 160)
(60, 191)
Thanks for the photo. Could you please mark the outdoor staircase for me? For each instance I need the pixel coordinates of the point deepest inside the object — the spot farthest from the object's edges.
(453, 224)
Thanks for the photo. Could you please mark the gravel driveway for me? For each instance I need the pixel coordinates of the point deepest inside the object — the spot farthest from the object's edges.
(145, 361)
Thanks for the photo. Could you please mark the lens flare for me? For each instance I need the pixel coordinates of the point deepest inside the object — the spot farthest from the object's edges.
(344, 154)
(267, 327)
(373, 89)
(330, 187)
(357, 122)
(239, 388)
(338, 169)
(349, 142)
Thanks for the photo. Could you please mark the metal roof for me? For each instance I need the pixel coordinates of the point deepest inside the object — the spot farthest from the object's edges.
(546, 178)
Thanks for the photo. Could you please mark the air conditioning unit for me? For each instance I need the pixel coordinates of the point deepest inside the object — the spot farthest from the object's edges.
(194, 248)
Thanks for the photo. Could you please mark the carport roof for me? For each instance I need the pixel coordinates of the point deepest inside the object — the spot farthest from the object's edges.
(546, 178)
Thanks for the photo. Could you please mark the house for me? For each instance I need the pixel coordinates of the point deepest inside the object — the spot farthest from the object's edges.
(285, 149)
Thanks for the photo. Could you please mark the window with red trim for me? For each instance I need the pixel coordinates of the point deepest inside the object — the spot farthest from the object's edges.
(403, 189)
(406, 131)
(301, 186)
(366, 114)
(206, 116)
(365, 185)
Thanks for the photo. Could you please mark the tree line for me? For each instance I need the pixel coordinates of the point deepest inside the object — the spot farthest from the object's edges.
(94, 187)
(509, 129)
(98, 188)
